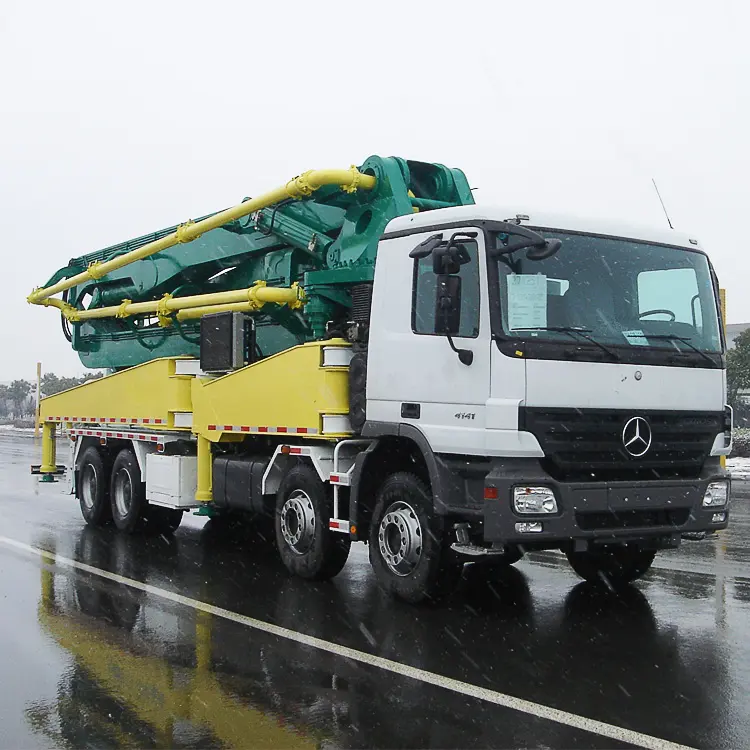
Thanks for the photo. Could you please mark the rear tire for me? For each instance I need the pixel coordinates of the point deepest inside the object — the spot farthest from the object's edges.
(409, 544)
(127, 493)
(93, 488)
(613, 565)
(307, 546)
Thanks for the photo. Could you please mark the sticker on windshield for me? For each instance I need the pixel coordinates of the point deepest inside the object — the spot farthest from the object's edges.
(527, 301)
(636, 338)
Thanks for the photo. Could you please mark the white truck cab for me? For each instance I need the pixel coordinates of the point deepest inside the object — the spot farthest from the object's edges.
(564, 379)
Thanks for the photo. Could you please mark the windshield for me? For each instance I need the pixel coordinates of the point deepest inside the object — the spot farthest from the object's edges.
(614, 292)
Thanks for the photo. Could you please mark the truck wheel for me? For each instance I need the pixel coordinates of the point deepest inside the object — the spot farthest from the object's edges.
(308, 548)
(615, 564)
(93, 488)
(127, 493)
(409, 549)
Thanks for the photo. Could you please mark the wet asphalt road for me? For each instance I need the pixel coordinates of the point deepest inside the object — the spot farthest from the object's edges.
(90, 662)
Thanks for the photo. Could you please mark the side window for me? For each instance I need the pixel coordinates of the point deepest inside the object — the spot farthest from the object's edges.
(425, 291)
(672, 291)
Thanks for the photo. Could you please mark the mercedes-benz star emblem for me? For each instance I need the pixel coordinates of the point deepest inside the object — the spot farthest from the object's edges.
(636, 436)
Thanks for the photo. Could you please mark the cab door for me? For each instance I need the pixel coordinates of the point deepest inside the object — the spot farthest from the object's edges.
(414, 374)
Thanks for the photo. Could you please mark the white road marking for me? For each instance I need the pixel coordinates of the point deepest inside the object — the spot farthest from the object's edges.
(539, 710)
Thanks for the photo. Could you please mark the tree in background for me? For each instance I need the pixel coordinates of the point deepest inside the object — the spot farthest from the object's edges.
(52, 384)
(738, 377)
(18, 392)
(4, 401)
(19, 398)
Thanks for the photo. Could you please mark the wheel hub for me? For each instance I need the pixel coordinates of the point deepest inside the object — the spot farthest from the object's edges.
(89, 486)
(123, 493)
(298, 522)
(400, 538)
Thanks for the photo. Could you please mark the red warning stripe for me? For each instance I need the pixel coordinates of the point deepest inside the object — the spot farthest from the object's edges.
(120, 435)
(263, 429)
(105, 420)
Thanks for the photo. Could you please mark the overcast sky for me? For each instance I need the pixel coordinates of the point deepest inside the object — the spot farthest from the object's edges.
(121, 118)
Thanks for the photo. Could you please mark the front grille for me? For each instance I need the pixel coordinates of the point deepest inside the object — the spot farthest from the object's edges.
(632, 519)
(586, 444)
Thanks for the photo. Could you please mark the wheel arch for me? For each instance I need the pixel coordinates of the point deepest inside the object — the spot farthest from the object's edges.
(398, 448)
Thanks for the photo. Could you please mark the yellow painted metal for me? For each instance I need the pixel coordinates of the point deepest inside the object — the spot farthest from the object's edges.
(148, 391)
(723, 303)
(247, 300)
(302, 186)
(37, 397)
(204, 488)
(158, 693)
(290, 389)
(49, 448)
(252, 298)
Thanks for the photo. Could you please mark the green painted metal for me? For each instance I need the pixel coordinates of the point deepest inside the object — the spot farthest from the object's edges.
(327, 242)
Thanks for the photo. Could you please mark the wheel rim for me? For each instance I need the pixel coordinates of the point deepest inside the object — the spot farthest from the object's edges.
(89, 486)
(298, 522)
(400, 538)
(123, 493)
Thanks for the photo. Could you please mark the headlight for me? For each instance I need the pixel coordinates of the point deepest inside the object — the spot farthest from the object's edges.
(716, 495)
(534, 500)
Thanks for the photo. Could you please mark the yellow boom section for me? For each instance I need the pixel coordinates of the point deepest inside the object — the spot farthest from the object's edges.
(195, 306)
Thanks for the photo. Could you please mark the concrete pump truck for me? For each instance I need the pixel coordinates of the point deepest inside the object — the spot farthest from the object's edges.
(366, 354)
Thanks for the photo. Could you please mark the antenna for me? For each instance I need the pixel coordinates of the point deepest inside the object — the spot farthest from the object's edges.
(664, 208)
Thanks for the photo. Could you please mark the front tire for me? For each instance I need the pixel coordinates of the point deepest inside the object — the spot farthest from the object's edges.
(614, 565)
(409, 546)
(93, 488)
(307, 546)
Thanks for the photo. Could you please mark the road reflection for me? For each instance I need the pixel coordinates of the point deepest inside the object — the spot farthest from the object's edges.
(148, 673)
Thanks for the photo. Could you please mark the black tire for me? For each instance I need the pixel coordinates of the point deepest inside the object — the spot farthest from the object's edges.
(307, 546)
(163, 520)
(93, 487)
(420, 565)
(613, 565)
(128, 493)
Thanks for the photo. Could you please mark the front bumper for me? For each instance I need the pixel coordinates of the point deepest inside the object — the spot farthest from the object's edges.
(601, 511)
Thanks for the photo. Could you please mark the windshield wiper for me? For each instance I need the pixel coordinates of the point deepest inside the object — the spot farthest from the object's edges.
(685, 340)
(580, 332)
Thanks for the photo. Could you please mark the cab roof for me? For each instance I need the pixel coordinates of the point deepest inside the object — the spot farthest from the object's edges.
(539, 219)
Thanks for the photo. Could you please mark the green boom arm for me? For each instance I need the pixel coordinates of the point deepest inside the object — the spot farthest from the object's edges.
(326, 241)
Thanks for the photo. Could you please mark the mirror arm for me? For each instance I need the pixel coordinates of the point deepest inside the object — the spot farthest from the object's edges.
(423, 249)
(494, 253)
(465, 356)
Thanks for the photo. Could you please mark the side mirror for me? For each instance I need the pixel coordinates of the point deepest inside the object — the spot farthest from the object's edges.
(448, 305)
(449, 258)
